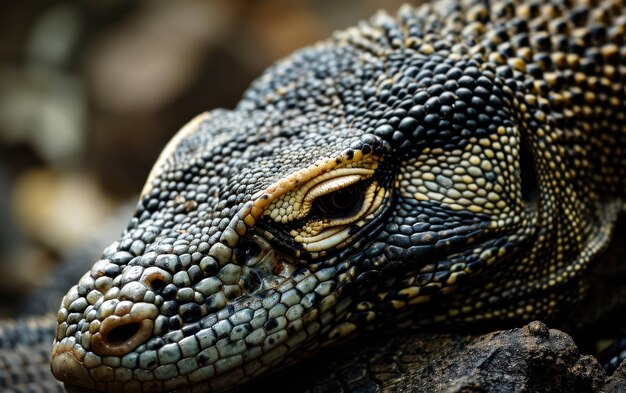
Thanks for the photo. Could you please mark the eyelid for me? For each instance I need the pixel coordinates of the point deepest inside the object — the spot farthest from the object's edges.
(328, 183)
(326, 233)
(296, 204)
(328, 187)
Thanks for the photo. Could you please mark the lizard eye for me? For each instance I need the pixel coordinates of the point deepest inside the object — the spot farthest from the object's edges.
(340, 203)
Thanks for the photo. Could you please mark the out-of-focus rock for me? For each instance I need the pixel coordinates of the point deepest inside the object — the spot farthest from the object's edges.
(44, 110)
(18, 258)
(153, 56)
(54, 37)
(58, 209)
(270, 20)
(53, 214)
(41, 104)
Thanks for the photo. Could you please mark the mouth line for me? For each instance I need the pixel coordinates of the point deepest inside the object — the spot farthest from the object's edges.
(66, 366)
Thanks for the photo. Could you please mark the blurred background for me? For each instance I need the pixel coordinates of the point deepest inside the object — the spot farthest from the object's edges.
(90, 91)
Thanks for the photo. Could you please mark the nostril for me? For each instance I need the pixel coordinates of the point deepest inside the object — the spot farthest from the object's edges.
(122, 334)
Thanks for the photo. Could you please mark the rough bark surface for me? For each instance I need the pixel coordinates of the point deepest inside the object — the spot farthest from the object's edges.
(529, 359)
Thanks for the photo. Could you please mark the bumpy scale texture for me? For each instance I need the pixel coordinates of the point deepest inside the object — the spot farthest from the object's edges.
(461, 163)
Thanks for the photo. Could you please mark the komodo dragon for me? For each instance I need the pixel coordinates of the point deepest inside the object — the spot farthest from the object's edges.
(460, 164)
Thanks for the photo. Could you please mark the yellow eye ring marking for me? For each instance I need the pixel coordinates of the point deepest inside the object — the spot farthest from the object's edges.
(320, 235)
(328, 186)
(292, 183)
(293, 196)
(298, 203)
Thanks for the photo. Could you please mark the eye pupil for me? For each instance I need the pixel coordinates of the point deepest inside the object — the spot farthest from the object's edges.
(343, 198)
(342, 202)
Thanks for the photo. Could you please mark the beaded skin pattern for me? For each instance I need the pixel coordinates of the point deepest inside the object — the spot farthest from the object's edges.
(459, 163)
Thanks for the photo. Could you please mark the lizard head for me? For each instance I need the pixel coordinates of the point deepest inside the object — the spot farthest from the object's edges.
(236, 244)
(357, 183)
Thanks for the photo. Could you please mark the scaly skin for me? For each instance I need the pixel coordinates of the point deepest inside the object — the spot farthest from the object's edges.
(461, 163)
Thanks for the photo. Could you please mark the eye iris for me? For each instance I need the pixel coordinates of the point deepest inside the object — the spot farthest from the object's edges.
(341, 202)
